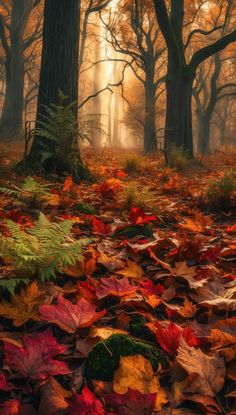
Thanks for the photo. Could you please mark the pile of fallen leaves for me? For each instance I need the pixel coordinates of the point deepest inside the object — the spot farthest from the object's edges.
(145, 323)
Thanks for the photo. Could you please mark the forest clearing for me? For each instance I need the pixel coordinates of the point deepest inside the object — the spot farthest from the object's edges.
(117, 207)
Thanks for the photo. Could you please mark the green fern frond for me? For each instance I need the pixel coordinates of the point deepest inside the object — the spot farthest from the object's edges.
(43, 250)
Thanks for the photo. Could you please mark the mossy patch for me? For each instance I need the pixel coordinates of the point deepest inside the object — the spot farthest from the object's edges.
(104, 359)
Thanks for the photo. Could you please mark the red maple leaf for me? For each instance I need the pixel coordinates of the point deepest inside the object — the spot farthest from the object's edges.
(69, 316)
(14, 407)
(4, 384)
(132, 402)
(114, 286)
(231, 229)
(148, 288)
(99, 227)
(138, 217)
(68, 183)
(85, 404)
(169, 337)
(87, 290)
(35, 358)
(11, 407)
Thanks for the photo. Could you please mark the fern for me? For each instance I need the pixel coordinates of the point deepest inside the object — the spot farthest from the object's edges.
(12, 284)
(43, 250)
(30, 191)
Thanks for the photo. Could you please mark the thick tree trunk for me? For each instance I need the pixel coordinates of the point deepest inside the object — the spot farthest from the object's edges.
(12, 112)
(59, 71)
(150, 143)
(178, 127)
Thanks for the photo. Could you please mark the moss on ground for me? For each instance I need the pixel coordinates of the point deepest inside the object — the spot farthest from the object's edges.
(104, 359)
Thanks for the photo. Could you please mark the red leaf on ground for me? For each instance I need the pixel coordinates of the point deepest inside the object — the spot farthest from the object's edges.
(148, 288)
(99, 227)
(138, 217)
(11, 407)
(68, 183)
(69, 316)
(4, 384)
(132, 402)
(14, 407)
(169, 337)
(85, 404)
(35, 358)
(115, 287)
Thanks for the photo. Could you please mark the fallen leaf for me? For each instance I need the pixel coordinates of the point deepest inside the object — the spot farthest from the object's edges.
(188, 273)
(53, 397)
(138, 217)
(69, 316)
(35, 359)
(136, 372)
(23, 306)
(114, 286)
(85, 404)
(132, 270)
(132, 402)
(4, 384)
(210, 369)
(219, 339)
(169, 337)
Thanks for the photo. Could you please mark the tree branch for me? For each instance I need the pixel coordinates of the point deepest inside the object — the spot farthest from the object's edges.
(204, 53)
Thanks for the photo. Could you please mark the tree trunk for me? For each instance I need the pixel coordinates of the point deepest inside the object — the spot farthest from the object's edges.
(116, 126)
(59, 72)
(150, 143)
(178, 127)
(12, 112)
(203, 144)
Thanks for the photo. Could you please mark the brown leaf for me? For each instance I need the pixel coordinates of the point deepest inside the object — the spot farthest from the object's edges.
(210, 369)
(53, 398)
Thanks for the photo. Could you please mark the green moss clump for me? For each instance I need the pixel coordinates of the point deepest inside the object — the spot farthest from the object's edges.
(131, 231)
(104, 359)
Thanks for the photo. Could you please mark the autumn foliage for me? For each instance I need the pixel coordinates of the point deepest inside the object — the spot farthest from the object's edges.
(143, 322)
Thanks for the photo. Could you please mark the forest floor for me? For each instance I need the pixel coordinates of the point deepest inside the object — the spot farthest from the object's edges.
(121, 297)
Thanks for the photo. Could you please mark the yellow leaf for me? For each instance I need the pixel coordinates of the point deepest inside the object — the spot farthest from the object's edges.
(136, 372)
(188, 309)
(132, 270)
(23, 306)
(105, 332)
(192, 226)
(52, 199)
(153, 300)
(220, 339)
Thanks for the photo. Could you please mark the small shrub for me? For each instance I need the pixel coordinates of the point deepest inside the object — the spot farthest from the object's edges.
(178, 158)
(220, 192)
(132, 164)
(43, 250)
(133, 197)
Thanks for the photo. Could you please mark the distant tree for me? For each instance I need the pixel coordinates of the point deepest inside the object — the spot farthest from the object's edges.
(134, 34)
(182, 69)
(15, 43)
